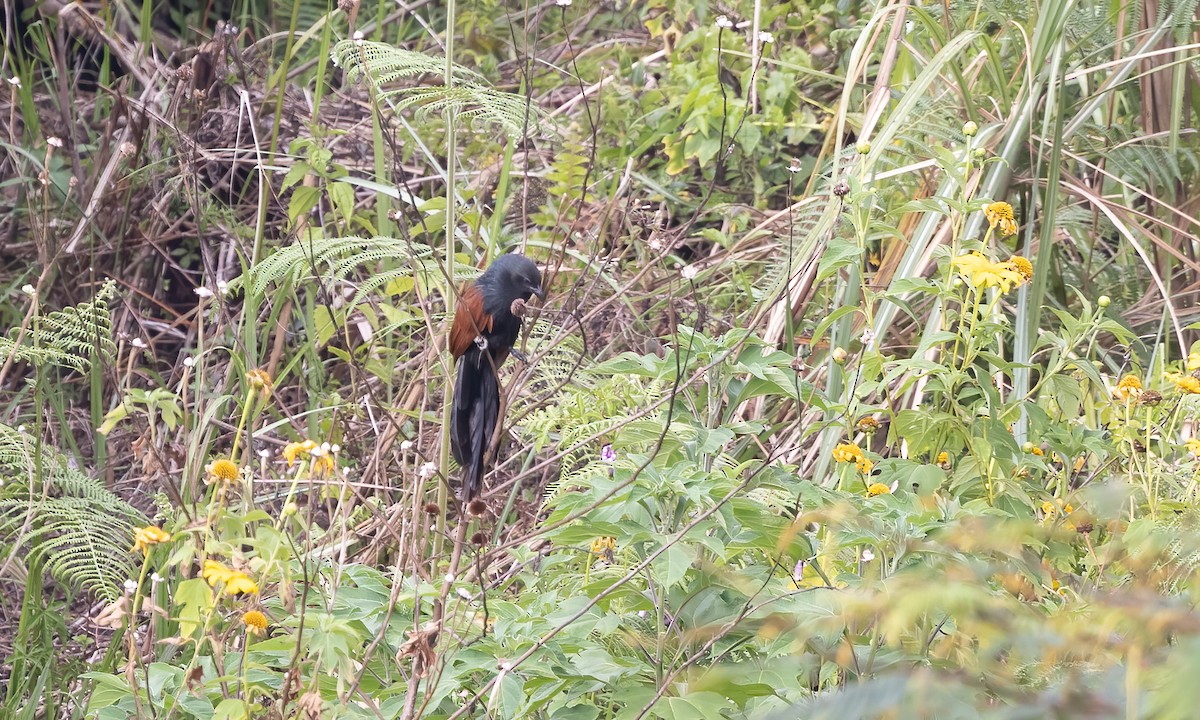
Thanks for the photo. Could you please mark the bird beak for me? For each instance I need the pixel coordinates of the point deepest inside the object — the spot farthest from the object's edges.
(540, 293)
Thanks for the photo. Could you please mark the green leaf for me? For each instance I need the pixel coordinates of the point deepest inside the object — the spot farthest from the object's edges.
(231, 709)
(342, 196)
(671, 566)
(304, 199)
(194, 598)
(838, 254)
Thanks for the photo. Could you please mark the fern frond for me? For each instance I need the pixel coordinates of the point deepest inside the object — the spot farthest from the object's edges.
(336, 258)
(470, 97)
(68, 338)
(71, 521)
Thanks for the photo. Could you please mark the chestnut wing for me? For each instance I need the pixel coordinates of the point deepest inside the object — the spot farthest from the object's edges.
(470, 321)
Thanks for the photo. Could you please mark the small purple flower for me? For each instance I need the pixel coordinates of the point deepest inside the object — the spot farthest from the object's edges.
(607, 454)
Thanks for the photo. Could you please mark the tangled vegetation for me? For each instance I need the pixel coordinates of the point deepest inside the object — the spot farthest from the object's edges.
(867, 384)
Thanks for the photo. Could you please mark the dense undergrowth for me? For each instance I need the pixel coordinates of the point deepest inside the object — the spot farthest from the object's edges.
(867, 384)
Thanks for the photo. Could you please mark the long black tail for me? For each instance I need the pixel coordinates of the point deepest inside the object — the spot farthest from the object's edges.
(473, 418)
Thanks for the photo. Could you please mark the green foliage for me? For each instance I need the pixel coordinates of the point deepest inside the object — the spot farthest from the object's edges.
(470, 98)
(68, 338)
(60, 518)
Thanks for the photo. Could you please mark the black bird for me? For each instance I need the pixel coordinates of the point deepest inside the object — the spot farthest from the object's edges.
(486, 325)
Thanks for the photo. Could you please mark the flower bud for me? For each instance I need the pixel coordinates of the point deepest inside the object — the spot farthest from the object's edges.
(839, 355)
(863, 147)
(1103, 301)
(290, 509)
(970, 129)
(979, 153)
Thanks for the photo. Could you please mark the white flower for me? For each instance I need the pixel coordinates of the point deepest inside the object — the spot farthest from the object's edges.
(222, 287)
(28, 290)
(130, 586)
(189, 361)
(156, 578)
(868, 555)
(203, 292)
(563, 3)
(14, 81)
(765, 37)
(724, 22)
(54, 141)
(335, 448)
(689, 272)
(21, 429)
(464, 593)
(428, 469)
(137, 342)
(406, 445)
(358, 37)
(867, 337)
(265, 454)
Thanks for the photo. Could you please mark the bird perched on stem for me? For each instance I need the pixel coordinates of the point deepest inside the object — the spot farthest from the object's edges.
(486, 325)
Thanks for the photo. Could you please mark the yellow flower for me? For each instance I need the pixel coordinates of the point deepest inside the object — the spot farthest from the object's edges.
(1188, 384)
(300, 450)
(1130, 388)
(867, 424)
(1023, 266)
(865, 466)
(943, 458)
(235, 582)
(1193, 446)
(983, 273)
(224, 471)
(215, 573)
(259, 380)
(1037, 451)
(255, 622)
(847, 452)
(1193, 361)
(322, 461)
(604, 545)
(144, 537)
(241, 584)
(1001, 213)
(878, 489)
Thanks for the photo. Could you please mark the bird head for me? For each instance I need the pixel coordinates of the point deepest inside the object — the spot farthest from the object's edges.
(518, 277)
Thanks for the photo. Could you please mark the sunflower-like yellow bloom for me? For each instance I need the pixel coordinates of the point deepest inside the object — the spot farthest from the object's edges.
(255, 622)
(604, 545)
(1130, 388)
(144, 537)
(847, 452)
(867, 424)
(300, 450)
(1193, 361)
(259, 380)
(943, 458)
(851, 453)
(1188, 384)
(1001, 214)
(878, 489)
(223, 471)
(323, 463)
(983, 273)
(234, 582)
(1023, 266)
(1193, 446)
